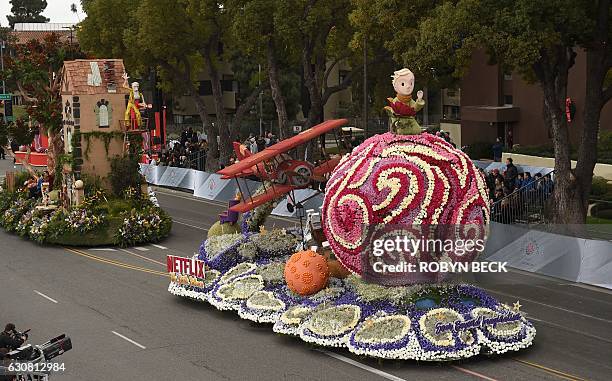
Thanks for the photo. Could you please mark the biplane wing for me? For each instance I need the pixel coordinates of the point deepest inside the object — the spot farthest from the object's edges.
(244, 167)
(324, 168)
(272, 193)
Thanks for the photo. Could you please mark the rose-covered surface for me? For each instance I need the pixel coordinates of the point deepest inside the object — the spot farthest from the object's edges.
(365, 319)
(411, 181)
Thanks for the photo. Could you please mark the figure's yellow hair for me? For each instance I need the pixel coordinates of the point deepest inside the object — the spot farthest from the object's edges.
(400, 73)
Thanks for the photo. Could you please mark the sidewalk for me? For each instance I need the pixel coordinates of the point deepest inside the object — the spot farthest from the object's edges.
(7, 165)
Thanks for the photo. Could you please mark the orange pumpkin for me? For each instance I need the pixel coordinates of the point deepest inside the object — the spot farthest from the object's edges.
(306, 272)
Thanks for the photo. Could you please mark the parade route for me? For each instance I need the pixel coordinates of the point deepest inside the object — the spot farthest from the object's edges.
(115, 306)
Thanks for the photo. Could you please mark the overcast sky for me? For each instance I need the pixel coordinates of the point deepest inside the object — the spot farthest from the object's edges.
(57, 11)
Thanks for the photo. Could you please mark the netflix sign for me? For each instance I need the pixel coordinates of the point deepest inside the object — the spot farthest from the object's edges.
(186, 271)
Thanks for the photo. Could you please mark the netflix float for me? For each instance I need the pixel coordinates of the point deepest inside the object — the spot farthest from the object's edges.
(402, 182)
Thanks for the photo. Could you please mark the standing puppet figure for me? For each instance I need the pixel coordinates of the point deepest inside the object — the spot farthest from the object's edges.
(136, 102)
(403, 108)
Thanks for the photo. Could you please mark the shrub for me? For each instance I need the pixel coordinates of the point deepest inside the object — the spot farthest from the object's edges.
(602, 210)
(125, 173)
(92, 184)
(600, 186)
(150, 224)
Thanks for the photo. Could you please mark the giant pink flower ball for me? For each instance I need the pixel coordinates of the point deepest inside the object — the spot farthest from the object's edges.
(410, 181)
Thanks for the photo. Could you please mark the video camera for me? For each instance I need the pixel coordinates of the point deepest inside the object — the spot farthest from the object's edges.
(56, 346)
(46, 351)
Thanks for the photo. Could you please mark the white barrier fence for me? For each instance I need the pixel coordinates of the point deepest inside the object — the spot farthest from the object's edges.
(211, 186)
(574, 259)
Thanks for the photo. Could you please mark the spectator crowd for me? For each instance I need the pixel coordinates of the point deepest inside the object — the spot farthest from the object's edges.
(187, 152)
(513, 192)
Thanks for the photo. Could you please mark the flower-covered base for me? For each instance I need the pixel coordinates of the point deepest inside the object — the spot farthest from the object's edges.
(419, 322)
(100, 220)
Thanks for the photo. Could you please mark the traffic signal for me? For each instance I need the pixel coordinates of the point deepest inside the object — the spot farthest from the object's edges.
(8, 109)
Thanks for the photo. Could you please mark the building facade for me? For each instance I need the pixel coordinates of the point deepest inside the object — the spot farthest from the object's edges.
(497, 104)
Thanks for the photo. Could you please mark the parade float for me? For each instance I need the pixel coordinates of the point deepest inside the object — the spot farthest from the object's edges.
(95, 194)
(403, 180)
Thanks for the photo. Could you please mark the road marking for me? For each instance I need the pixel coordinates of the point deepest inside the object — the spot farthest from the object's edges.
(143, 257)
(139, 248)
(530, 317)
(159, 246)
(562, 282)
(46, 297)
(471, 372)
(558, 373)
(116, 263)
(550, 306)
(367, 368)
(103, 249)
(191, 226)
(129, 340)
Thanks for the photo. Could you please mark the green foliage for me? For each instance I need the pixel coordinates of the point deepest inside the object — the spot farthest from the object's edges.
(21, 177)
(150, 224)
(27, 11)
(274, 243)
(92, 184)
(9, 220)
(600, 186)
(98, 33)
(3, 133)
(218, 229)
(604, 147)
(60, 160)
(272, 273)
(106, 138)
(6, 200)
(260, 214)
(602, 210)
(22, 132)
(125, 173)
(97, 221)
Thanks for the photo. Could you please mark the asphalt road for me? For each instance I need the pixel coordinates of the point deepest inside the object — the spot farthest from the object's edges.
(124, 324)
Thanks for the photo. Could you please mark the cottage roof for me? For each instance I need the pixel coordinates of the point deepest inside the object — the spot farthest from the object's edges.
(93, 76)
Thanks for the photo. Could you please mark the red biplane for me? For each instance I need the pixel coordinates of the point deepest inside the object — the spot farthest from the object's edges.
(275, 166)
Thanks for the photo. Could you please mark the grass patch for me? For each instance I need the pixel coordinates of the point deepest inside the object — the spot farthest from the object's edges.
(597, 221)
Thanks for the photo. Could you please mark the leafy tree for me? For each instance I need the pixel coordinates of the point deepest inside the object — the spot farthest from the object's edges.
(256, 31)
(180, 47)
(537, 39)
(320, 32)
(36, 70)
(27, 11)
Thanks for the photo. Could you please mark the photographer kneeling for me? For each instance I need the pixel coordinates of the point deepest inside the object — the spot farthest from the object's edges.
(10, 338)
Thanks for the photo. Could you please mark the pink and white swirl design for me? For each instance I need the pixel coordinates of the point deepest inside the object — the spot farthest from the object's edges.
(402, 180)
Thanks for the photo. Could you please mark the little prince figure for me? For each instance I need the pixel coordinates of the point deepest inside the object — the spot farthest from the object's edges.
(403, 108)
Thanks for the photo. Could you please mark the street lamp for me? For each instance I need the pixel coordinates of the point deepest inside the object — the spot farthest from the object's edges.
(3, 83)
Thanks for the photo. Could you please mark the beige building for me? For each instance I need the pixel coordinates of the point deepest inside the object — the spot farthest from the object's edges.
(94, 103)
(184, 108)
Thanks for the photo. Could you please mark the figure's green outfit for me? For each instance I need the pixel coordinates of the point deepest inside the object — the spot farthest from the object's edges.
(401, 124)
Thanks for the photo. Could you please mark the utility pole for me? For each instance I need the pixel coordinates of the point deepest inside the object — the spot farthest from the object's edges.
(2, 60)
(261, 132)
(365, 87)
(3, 83)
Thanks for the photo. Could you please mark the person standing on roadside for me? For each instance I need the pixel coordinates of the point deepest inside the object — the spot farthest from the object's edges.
(497, 148)
(510, 175)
